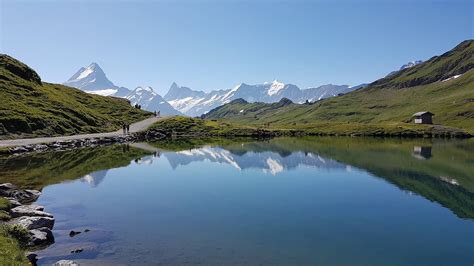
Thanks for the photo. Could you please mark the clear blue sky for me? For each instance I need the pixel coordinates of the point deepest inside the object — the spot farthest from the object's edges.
(214, 45)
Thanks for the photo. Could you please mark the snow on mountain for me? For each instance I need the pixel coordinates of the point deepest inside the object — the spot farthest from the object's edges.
(411, 64)
(151, 101)
(196, 103)
(93, 80)
(405, 66)
(268, 161)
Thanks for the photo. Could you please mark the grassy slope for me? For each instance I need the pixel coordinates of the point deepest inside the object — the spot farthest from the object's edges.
(381, 106)
(187, 126)
(34, 108)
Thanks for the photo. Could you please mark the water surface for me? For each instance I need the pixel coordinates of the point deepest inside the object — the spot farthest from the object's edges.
(286, 201)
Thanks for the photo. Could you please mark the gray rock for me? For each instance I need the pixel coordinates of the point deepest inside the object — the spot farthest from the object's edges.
(27, 195)
(66, 263)
(41, 236)
(7, 186)
(34, 222)
(14, 203)
(29, 210)
(32, 257)
(40, 147)
(18, 150)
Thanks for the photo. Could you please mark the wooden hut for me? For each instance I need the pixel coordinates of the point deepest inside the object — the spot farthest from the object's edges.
(423, 118)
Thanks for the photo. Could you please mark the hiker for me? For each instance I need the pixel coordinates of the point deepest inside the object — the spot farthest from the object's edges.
(154, 113)
(128, 129)
(124, 127)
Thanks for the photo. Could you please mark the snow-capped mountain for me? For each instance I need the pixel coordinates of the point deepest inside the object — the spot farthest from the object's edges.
(92, 79)
(196, 103)
(150, 101)
(405, 66)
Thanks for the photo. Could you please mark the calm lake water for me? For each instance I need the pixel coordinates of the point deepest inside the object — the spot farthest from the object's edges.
(286, 201)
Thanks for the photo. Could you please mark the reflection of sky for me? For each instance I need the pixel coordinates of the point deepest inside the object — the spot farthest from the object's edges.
(203, 206)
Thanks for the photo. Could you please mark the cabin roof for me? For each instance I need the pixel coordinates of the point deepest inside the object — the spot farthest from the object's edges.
(422, 113)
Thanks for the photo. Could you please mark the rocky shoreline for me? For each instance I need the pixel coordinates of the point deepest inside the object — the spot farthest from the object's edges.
(82, 143)
(157, 134)
(23, 215)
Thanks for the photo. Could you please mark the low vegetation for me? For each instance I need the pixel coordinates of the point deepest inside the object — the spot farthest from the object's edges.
(31, 107)
(13, 238)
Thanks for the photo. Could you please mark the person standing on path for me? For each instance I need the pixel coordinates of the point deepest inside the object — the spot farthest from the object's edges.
(124, 128)
(128, 129)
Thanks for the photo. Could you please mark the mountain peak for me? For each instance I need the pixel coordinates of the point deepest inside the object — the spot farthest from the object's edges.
(91, 78)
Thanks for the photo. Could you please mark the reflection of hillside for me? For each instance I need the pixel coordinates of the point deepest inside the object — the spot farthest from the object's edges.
(392, 160)
(40, 169)
(444, 176)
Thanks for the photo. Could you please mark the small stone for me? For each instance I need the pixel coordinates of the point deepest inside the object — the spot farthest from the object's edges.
(79, 250)
(87, 230)
(73, 233)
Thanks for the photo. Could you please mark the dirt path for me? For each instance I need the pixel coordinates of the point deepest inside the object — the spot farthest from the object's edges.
(139, 126)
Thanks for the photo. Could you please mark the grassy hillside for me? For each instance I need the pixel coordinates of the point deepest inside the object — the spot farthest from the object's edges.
(385, 105)
(31, 107)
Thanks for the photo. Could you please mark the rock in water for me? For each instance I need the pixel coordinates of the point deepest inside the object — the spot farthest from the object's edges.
(32, 257)
(66, 263)
(29, 210)
(73, 233)
(34, 222)
(41, 236)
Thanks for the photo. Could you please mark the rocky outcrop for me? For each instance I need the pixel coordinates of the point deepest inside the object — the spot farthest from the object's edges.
(29, 210)
(34, 222)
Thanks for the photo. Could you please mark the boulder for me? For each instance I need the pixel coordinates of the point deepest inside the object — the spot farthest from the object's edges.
(27, 195)
(34, 222)
(41, 236)
(29, 210)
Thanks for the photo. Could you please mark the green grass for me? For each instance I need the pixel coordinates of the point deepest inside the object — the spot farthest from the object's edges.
(382, 107)
(13, 239)
(4, 204)
(31, 107)
(195, 127)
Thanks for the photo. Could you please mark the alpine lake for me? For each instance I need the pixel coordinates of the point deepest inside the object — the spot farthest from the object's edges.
(281, 201)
